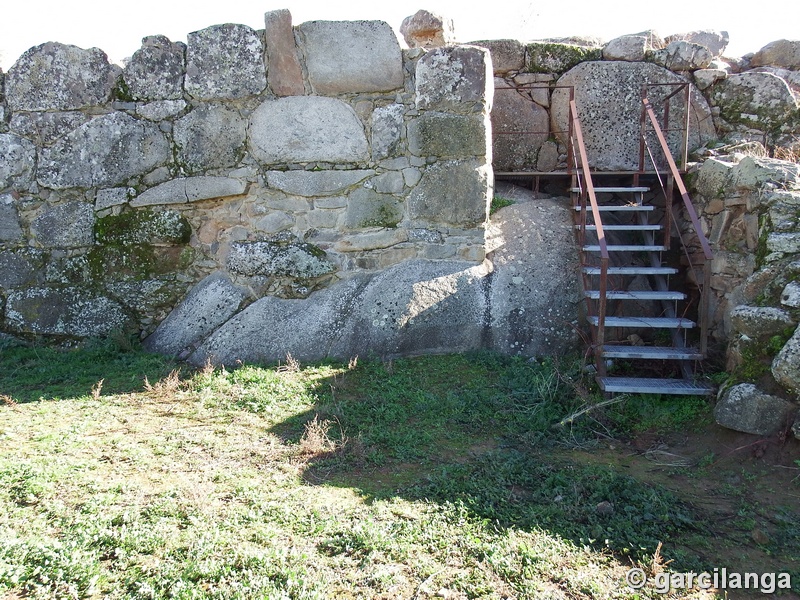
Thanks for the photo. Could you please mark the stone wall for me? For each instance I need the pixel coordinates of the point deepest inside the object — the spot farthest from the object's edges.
(287, 158)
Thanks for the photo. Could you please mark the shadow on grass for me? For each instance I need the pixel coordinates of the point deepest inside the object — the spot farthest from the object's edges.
(30, 374)
(477, 432)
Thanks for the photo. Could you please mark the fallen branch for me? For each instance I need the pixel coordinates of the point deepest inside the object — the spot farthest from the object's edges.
(571, 419)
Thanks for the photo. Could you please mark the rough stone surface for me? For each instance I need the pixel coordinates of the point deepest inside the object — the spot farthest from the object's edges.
(316, 183)
(44, 128)
(210, 137)
(387, 129)
(225, 61)
(784, 243)
(143, 227)
(608, 96)
(786, 364)
(514, 112)
(190, 189)
(507, 55)
(160, 109)
(758, 100)
(681, 55)
(106, 151)
(557, 57)
(21, 267)
(17, 162)
(447, 135)
(368, 208)
(758, 321)
(715, 41)
(284, 73)
(535, 291)
(453, 192)
(155, 71)
(427, 30)
(210, 304)
(271, 327)
(548, 157)
(56, 76)
(305, 129)
(371, 239)
(631, 48)
(10, 231)
(745, 408)
(68, 225)
(780, 53)
(790, 296)
(68, 311)
(299, 260)
(351, 56)
(112, 197)
(417, 307)
(705, 78)
(454, 78)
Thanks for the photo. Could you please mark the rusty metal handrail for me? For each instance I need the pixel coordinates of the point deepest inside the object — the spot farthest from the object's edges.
(587, 191)
(687, 202)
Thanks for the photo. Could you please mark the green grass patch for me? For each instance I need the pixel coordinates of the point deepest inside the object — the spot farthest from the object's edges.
(425, 477)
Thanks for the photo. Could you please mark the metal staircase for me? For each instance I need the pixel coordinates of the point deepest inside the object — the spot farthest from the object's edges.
(624, 235)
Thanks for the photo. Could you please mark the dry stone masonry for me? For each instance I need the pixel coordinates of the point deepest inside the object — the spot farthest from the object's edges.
(316, 189)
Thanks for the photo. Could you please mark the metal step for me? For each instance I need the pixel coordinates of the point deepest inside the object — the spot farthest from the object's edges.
(615, 190)
(653, 322)
(651, 352)
(632, 270)
(620, 207)
(642, 295)
(624, 248)
(635, 385)
(624, 227)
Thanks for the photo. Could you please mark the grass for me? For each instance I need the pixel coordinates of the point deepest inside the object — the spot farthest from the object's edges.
(429, 477)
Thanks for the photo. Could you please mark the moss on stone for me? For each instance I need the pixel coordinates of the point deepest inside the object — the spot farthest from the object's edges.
(143, 226)
(136, 262)
(121, 91)
(554, 57)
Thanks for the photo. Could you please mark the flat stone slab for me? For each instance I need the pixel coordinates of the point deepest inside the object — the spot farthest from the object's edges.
(307, 129)
(608, 96)
(209, 304)
(351, 56)
(190, 189)
(299, 260)
(454, 192)
(316, 183)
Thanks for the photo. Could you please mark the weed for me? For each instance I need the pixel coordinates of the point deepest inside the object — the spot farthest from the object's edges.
(499, 202)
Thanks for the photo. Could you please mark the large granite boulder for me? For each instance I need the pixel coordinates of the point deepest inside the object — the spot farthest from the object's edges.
(745, 408)
(427, 30)
(306, 129)
(212, 136)
(455, 79)
(780, 53)
(715, 41)
(155, 71)
(316, 183)
(106, 151)
(760, 321)
(608, 96)
(456, 192)
(44, 128)
(681, 55)
(351, 56)
(56, 76)
(209, 304)
(446, 135)
(558, 57)
(225, 61)
(756, 100)
(535, 292)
